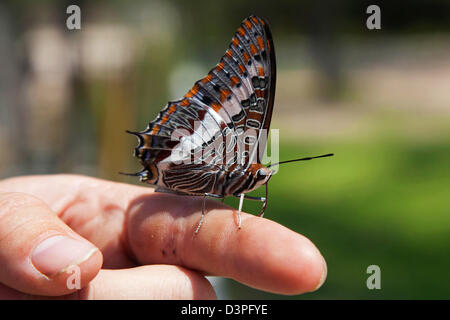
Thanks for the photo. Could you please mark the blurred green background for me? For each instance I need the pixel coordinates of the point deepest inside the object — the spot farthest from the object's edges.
(380, 100)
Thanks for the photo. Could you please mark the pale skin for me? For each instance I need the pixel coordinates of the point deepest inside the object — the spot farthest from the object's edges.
(143, 243)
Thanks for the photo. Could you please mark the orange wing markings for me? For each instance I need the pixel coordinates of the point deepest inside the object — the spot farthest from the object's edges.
(192, 92)
(155, 129)
(164, 119)
(234, 80)
(255, 20)
(235, 41)
(229, 53)
(246, 57)
(260, 43)
(261, 71)
(260, 93)
(224, 93)
(253, 49)
(216, 107)
(241, 31)
(207, 78)
(242, 68)
(172, 109)
(184, 103)
(220, 66)
(248, 24)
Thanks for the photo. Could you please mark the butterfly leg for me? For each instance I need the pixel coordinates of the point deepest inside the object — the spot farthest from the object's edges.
(263, 209)
(263, 199)
(252, 198)
(241, 201)
(203, 209)
(203, 214)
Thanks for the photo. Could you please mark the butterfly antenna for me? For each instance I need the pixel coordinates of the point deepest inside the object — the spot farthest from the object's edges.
(132, 132)
(137, 174)
(301, 159)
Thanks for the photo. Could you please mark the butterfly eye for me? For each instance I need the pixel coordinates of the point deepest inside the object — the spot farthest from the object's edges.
(261, 173)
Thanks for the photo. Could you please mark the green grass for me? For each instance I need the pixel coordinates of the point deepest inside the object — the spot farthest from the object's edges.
(383, 201)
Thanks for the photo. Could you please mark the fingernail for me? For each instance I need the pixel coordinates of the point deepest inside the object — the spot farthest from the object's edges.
(323, 277)
(55, 254)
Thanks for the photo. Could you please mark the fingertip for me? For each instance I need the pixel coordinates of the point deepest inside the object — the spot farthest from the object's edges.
(54, 254)
(38, 252)
(75, 275)
(323, 276)
(310, 271)
(271, 257)
(90, 267)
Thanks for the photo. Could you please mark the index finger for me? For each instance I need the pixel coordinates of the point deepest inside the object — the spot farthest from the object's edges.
(262, 254)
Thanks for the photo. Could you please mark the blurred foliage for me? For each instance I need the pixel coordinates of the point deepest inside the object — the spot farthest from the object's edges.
(381, 201)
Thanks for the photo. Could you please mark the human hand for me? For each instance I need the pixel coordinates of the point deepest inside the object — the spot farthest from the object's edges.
(132, 243)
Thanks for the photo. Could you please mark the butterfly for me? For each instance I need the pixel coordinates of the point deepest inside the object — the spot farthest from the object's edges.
(209, 143)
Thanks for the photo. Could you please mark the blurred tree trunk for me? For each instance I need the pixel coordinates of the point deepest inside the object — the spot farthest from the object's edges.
(324, 24)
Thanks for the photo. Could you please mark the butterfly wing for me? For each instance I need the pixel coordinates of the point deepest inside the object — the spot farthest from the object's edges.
(255, 35)
(195, 138)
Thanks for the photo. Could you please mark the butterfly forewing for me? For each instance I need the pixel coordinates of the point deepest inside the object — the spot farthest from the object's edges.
(214, 128)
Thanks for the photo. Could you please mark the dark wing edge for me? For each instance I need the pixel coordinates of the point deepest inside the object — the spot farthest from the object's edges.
(273, 72)
(269, 94)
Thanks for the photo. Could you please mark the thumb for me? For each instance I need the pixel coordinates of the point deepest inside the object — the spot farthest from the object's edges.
(39, 254)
